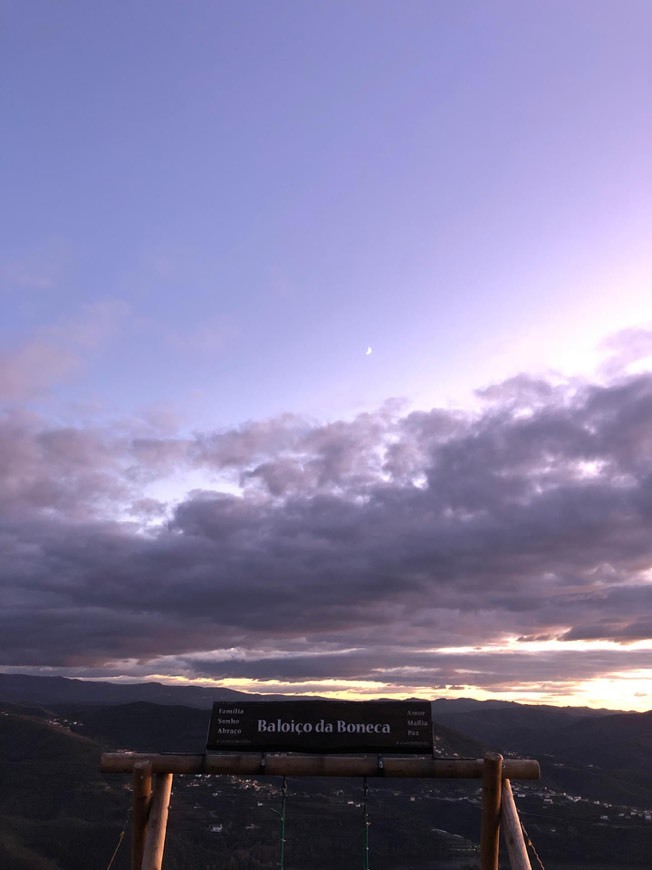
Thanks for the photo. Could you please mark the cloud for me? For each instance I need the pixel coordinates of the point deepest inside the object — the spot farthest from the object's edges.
(36, 269)
(369, 549)
(628, 350)
(32, 368)
(57, 470)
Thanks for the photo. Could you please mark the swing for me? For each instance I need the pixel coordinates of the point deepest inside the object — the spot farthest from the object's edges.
(365, 824)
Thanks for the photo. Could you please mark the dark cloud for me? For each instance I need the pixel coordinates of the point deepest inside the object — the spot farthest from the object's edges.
(376, 543)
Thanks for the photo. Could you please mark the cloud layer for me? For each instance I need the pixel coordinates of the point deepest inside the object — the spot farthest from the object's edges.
(382, 549)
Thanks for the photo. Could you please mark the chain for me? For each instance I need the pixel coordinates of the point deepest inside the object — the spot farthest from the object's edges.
(365, 824)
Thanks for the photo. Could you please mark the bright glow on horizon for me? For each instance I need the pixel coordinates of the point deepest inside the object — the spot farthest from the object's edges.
(621, 691)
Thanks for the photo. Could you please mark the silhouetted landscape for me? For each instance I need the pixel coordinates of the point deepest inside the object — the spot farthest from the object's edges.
(592, 807)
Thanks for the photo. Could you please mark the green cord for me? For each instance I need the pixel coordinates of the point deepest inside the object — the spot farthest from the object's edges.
(281, 816)
(365, 827)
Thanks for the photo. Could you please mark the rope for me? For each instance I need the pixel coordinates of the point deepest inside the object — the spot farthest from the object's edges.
(530, 845)
(120, 839)
(365, 827)
(281, 815)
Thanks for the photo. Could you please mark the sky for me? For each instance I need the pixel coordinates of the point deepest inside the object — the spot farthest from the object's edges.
(326, 346)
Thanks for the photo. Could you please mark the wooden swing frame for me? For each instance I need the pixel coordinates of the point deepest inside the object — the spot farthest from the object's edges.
(152, 776)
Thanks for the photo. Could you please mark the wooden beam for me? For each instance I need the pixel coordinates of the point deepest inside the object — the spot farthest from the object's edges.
(490, 830)
(256, 764)
(141, 797)
(157, 822)
(512, 831)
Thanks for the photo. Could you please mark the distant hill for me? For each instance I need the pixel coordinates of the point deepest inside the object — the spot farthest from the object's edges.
(145, 727)
(24, 689)
(27, 689)
(141, 726)
(618, 741)
(602, 738)
(516, 727)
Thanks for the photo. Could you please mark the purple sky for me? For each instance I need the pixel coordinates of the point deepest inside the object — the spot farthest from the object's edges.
(326, 347)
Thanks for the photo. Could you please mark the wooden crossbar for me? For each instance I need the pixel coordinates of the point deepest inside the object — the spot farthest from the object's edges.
(259, 764)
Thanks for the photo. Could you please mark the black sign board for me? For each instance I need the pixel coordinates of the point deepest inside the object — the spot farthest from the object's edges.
(321, 726)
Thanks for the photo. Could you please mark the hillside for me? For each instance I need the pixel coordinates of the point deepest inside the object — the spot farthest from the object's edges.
(59, 813)
(55, 810)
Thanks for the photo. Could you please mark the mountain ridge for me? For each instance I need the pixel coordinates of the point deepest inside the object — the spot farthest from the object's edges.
(29, 688)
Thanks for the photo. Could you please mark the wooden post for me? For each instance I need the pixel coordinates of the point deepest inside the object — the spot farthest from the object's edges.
(490, 829)
(157, 822)
(512, 831)
(141, 797)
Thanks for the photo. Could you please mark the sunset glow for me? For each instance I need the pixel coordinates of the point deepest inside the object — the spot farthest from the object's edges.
(212, 214)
